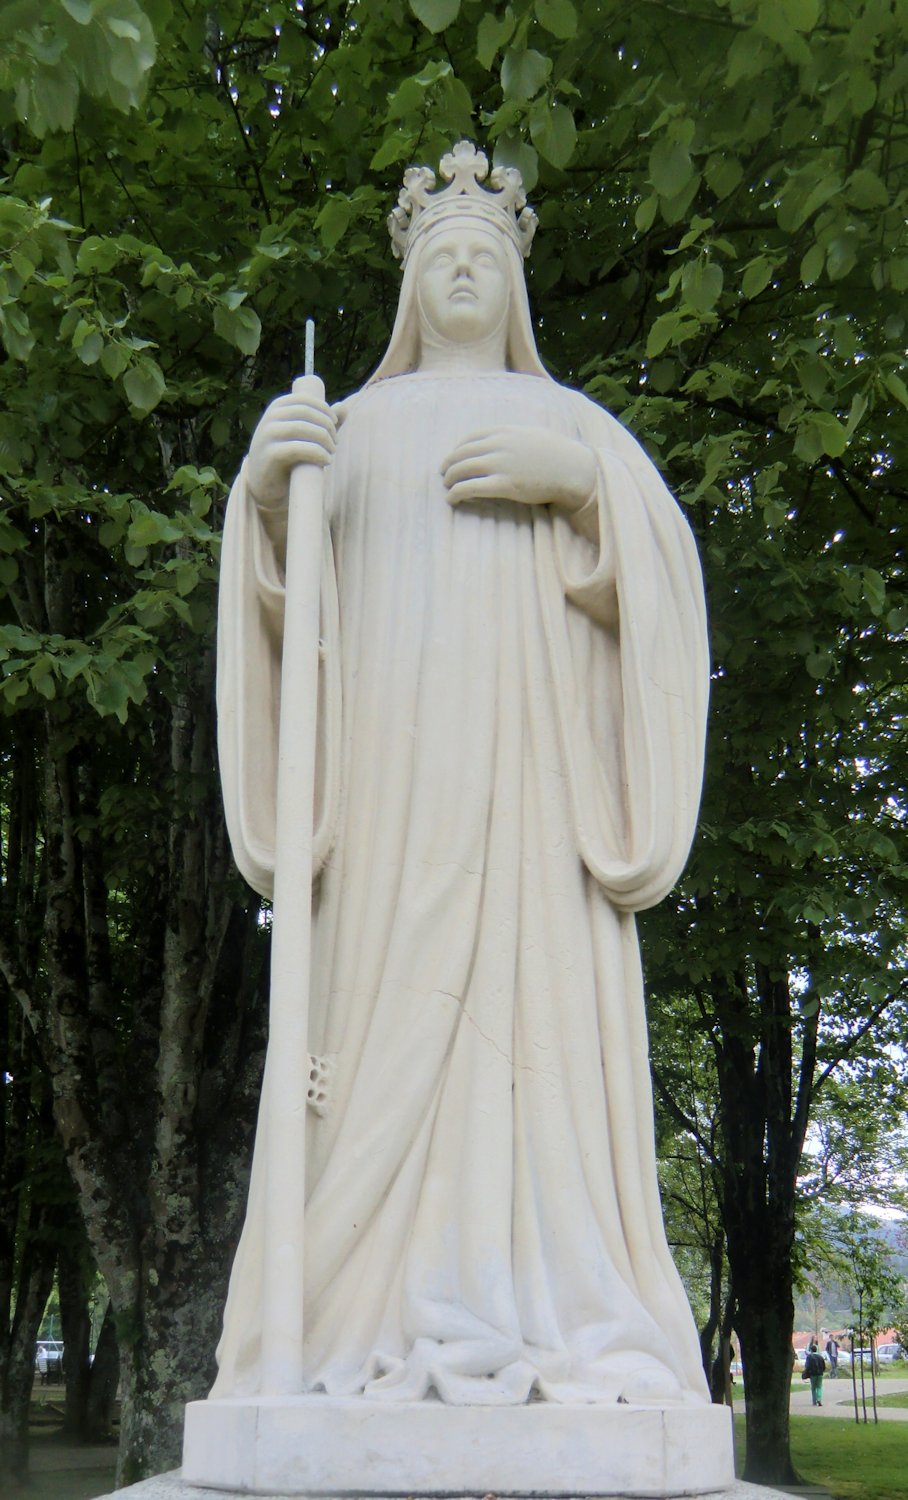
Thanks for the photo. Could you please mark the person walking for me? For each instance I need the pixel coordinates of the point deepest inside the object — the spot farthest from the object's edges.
(814, 1369)
(832, 1354)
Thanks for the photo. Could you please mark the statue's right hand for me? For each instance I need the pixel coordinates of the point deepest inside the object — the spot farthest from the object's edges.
(293, 431)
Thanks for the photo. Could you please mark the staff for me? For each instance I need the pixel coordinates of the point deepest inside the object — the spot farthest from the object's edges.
(288, 1044)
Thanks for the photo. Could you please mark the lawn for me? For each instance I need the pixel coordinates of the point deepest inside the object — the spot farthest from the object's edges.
(851, 1461)
(60, 1471)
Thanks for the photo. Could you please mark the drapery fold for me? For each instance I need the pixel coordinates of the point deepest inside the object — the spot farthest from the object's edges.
(250, 626)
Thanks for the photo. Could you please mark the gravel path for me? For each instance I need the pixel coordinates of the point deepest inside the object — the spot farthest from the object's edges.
(838, 1400)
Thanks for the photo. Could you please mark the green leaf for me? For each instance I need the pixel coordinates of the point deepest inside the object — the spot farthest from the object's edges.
(435, 15)
(812, 264)
(239, 326)
(334, 219)
(557, 16)
(723, 174)
(896, 386)
(493, 33)
(151, 527)
(91, 348)
(97, 254)
(802, 15)
(859, 406)
(701, 284)
(523, 72)
(757, 276)
(81, 11)
(660, 335)
(144, 384)
(819, 433)
(124, 29)
(646, 213)
(874, 590)
(865, 190)
(114, 359)
(553, 131)
(511, 151)
(670, 167)
(841, 256)
(747, 58)
(802, 208)
(394, 148)
(110, 696)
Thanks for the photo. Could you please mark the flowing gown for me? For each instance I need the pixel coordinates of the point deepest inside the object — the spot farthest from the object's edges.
(510, 750)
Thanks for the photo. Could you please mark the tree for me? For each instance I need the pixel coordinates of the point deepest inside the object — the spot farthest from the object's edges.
(722, 262)
(876, 1290)
(30, 1163)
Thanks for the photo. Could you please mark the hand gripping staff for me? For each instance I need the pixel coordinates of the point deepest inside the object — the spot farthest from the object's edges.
(288, 1042)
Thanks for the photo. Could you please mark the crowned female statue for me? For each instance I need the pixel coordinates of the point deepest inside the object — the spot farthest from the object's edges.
(510, 738)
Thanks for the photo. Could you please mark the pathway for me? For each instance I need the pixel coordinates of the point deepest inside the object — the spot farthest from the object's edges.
(838, 1399)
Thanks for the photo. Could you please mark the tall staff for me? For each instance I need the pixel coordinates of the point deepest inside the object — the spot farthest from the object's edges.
(288, 1041)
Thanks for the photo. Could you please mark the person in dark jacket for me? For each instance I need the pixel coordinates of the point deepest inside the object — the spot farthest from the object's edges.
(814, 1369)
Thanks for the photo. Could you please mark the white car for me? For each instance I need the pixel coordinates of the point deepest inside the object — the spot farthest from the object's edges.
(49, 1358)
(886, 1353)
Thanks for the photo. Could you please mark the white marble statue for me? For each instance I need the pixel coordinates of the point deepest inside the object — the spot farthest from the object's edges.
(510, 736)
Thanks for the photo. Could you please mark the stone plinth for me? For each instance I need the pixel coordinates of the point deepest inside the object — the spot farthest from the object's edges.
(323, 1446)
(173, 1487)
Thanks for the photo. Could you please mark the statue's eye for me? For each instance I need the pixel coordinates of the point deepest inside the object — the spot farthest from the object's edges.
(443, 258)
(485, 258)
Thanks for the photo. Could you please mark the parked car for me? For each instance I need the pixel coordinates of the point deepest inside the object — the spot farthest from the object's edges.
(49, 1359)
(862, 1356)
(886, 1353)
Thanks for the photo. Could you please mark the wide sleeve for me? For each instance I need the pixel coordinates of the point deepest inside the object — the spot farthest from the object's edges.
(250, 633)
(626, 627)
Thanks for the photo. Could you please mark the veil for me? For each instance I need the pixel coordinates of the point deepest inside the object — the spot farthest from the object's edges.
(402, 354)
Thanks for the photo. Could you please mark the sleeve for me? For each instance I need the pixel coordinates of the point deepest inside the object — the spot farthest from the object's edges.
(250, 630)
(626, 625)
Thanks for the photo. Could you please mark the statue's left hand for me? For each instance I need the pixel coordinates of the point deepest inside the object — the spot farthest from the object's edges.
(523, 464)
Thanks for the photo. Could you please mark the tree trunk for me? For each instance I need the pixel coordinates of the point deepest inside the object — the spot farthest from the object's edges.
(75, 1320)
(765, 1320)
(104, 1377)
(763, 1127)
(711, 1326)
(18, 1373)
(168, 1364)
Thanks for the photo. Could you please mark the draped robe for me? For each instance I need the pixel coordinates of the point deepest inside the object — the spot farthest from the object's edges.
(510, 737)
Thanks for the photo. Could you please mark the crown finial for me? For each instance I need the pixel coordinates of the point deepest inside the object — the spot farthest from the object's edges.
(502, 205)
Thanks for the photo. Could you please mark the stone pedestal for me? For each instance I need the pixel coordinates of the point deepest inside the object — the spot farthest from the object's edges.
(317, 1445)
(173, 1487)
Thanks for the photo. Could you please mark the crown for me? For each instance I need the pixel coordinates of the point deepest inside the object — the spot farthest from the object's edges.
(419, 207)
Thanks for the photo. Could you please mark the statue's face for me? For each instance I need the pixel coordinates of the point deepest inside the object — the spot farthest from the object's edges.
(463, 283)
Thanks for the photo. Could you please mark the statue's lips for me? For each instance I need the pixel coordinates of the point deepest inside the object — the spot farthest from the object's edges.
(463, 294)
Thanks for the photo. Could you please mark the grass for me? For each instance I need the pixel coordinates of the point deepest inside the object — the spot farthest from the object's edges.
(60, 1471)
(851, 1461)
(900, 1398)
(67, 1484)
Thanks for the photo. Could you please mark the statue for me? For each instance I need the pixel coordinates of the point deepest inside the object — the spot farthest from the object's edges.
(510, 726)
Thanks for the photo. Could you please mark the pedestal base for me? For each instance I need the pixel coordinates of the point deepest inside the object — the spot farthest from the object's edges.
(317, 1445)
